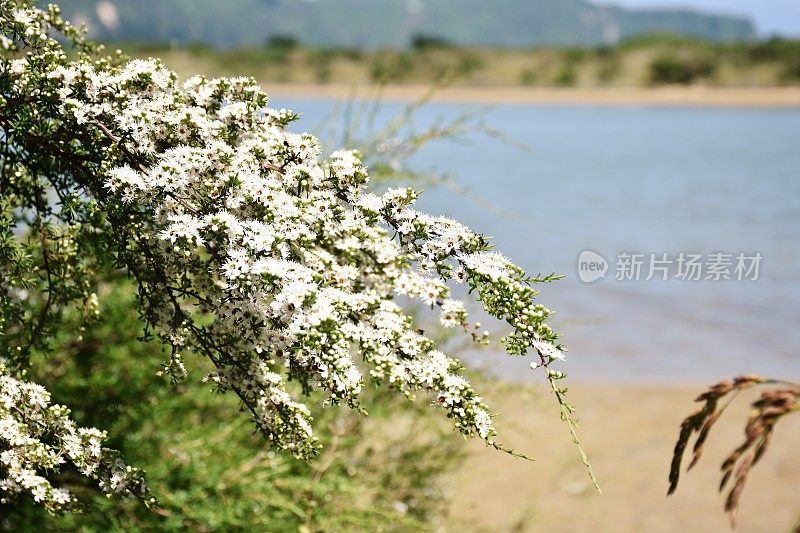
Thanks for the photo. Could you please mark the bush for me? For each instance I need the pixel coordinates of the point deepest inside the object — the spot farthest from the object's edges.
(422, 42)
(565, 78)
(389, 67)
(673, 70)
(283, 42)
(208, 470)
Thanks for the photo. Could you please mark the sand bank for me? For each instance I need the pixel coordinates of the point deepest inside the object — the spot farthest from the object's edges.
(777, 97)
(629, 433)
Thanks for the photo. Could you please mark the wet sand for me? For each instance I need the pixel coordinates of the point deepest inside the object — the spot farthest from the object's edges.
(778, 97)
(629, 433)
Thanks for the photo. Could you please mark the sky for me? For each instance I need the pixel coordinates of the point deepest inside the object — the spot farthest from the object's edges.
(770, 16)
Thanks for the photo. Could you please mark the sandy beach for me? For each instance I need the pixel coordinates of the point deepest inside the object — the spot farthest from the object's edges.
(629, 433)
(777, 97)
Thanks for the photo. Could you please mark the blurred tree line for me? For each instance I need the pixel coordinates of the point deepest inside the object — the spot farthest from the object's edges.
(646, 60)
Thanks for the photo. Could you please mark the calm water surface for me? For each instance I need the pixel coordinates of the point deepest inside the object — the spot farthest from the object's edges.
(629, 179)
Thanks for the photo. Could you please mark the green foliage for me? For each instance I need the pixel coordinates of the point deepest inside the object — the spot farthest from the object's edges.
(390, 67)
(286, 42)
(207, 469)
(420, 41)
(565, 78)
(776, 50)
(278, 48)
(773, 49)
(673, 70)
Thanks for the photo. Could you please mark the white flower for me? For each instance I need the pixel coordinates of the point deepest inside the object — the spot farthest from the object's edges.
(252, 251)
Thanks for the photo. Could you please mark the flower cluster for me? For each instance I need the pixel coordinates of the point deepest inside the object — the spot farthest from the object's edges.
(252, 250)
(37, 438)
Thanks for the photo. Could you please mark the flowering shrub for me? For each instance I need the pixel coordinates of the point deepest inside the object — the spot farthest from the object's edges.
(246, 247)
(209, 471)
(37, 436)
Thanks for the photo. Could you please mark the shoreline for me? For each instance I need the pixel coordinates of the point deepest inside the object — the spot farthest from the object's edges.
(629, 433)
(672, 96)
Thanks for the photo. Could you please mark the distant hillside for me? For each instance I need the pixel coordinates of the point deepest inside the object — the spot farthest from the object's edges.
(390, 23)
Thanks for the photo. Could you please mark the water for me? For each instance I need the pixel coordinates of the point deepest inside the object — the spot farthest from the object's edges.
(638, 179)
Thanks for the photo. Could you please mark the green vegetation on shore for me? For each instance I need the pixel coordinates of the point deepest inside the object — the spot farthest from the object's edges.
(205, 465)
(649, 60)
